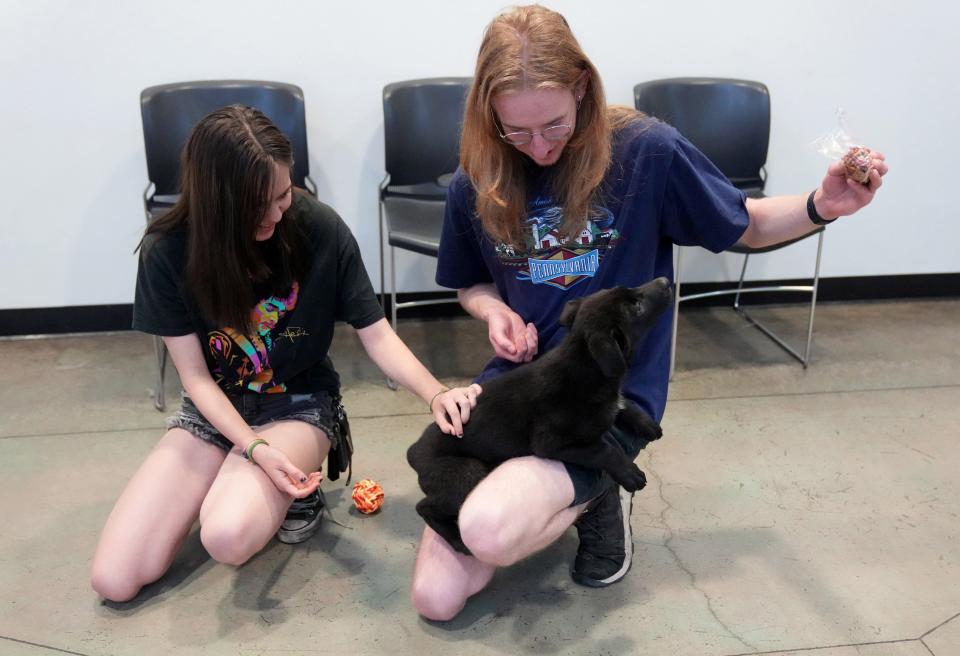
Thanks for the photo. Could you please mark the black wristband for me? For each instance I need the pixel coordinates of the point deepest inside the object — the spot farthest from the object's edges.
(812, 212)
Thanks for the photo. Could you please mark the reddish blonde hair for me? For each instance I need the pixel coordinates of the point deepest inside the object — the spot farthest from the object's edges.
(530, 48)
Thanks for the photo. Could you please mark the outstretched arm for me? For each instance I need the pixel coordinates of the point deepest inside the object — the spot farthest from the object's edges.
(450, 407)
(780, 218)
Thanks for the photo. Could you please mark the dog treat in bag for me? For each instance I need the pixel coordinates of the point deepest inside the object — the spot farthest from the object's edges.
(838, 144)
(858, 163)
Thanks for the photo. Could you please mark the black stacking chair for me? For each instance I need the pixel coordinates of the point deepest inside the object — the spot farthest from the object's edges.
(729, 121)
(170, 111)
(421, 134)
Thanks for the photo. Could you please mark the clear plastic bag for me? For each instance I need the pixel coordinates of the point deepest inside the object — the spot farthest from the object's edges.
(839, 144)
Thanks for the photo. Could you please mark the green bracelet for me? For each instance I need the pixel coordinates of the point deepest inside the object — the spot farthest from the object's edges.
(442, 390)
(248, 452)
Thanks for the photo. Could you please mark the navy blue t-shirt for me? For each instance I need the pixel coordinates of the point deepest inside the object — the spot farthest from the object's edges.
(659, 191)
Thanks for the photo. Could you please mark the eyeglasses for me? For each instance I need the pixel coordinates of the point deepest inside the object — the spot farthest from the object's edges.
(523, 137)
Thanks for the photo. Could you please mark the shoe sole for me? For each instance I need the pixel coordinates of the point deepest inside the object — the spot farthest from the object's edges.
(626, 508)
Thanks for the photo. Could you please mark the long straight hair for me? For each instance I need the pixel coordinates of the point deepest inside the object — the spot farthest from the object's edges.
(227, 170)
(532, 48)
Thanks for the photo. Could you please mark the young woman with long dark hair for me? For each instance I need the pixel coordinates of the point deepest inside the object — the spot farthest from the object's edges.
(244, 279)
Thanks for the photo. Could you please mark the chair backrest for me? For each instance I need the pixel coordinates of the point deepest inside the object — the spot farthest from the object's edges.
(421, 128)
(728, 120)
(170, 111)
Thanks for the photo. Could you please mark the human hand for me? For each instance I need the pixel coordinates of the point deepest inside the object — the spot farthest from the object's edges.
(451, 408)
(839, 195)
(511, 339)
(283, 473)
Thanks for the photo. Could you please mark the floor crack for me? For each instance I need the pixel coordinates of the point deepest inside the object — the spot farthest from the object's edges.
(667, 544)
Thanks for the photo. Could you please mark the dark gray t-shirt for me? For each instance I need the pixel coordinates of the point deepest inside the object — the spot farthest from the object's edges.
(293, 330)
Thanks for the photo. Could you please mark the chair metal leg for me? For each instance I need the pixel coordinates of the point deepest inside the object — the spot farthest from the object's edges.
(393, 303)
(383, 291)
(812, 289)
(159, 397)
(676, 309)
(393, 288)
(743, 274)
(813, 301)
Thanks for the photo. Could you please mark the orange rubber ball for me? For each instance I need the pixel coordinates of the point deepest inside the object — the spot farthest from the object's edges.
(367, 496)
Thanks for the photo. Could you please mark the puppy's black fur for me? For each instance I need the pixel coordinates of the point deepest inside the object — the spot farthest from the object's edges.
(557, 407)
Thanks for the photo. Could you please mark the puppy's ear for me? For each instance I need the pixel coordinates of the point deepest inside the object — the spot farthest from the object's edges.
(606, 352)
(569, 312)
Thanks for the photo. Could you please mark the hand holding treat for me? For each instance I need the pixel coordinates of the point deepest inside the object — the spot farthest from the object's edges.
(854, 176)
(858, 163)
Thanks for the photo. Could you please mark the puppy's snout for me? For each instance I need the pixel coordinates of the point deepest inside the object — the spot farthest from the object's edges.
(664, 283)
(660, 290)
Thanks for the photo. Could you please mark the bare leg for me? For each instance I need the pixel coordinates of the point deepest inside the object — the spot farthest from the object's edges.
(184, 479)
(443, 579)
(154, 514)
(244, 509)
(519, 509)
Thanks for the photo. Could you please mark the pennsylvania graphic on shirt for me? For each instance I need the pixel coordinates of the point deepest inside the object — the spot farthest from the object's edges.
(546, 259)
(242, 361)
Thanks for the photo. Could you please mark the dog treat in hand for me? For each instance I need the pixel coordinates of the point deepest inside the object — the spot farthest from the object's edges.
(367, 496)
(858, 163)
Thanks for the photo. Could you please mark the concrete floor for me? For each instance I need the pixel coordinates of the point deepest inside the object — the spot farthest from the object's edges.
(788, 511)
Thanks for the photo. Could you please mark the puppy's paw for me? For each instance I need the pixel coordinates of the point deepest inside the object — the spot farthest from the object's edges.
(641, 424)
(653, 431)
(631, 478)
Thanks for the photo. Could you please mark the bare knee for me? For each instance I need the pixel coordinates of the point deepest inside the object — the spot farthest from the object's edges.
(436, 602)
(118, 574)
(227, 543)
(113, 584)
(485, 530)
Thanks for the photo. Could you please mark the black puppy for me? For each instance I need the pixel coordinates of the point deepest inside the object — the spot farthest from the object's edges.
(557, 407)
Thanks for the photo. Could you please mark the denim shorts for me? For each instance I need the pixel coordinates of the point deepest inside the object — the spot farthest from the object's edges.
(590, 483)
(316, 409)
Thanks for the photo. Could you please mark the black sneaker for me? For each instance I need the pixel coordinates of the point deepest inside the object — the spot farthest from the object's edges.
(606, 541)
(303, 519)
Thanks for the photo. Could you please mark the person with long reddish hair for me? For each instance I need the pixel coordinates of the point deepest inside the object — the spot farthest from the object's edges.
(559, 195)
(244, 279)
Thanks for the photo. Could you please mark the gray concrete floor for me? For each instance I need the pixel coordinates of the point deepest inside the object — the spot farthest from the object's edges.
(788, 511)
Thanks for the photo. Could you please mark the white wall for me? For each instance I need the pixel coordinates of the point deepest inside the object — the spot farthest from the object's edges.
(71, 154)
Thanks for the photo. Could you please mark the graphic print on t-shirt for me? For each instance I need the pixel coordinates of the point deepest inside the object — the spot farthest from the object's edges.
(243, 361)
(546, 258)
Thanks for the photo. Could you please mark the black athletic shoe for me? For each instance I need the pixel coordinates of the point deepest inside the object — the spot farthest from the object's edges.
(303, 519)
(606, 541)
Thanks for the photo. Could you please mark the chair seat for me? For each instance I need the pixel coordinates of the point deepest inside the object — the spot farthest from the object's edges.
(424, 190)
(157, 207)
(414, 223)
